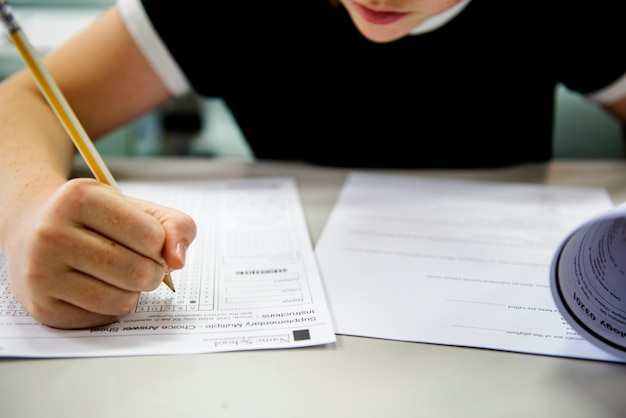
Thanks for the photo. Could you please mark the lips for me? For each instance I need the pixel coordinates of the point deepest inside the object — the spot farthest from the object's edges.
(378, 17)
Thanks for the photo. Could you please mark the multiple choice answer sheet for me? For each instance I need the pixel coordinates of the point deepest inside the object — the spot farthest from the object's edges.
(453, 262)
(250, 282)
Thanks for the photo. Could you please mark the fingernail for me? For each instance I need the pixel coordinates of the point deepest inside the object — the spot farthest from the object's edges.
(181, 252)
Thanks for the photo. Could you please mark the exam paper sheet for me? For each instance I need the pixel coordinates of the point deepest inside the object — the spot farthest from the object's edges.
(452, 262)
(250, 282)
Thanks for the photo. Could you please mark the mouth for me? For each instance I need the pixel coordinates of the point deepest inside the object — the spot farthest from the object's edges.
(378, 17)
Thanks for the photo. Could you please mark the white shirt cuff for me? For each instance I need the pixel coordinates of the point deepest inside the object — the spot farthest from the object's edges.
(153, 48)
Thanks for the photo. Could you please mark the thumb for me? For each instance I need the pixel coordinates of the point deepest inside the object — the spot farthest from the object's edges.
(180, 231)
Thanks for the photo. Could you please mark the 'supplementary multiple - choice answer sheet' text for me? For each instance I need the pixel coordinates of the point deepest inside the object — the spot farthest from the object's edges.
(250, 282)
(453, 262)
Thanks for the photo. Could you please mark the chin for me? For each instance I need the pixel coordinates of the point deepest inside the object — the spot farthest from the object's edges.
(382, 38)
(381, 34)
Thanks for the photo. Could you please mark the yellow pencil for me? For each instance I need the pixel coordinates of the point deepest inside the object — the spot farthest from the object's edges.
(59, 105)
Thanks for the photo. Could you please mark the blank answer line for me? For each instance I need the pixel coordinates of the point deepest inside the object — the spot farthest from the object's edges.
(481, 328)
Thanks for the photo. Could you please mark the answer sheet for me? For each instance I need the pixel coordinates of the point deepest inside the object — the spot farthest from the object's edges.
(250, 282)
(453, 262)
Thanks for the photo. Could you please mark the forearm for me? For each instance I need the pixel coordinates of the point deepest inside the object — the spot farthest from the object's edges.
(618, 109)
(35, 152)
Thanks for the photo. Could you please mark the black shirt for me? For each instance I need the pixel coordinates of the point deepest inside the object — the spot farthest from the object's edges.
(303, 84)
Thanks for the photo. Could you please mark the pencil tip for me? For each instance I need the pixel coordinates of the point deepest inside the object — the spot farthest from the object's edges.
(167, 279)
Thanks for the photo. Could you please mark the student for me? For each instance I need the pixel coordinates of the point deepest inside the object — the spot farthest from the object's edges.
(359, 83)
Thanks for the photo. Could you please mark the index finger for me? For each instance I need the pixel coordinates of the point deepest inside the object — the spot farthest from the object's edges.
(107, 212)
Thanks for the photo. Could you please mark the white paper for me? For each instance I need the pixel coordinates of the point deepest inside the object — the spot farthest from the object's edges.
(453, 262)
(250, 282)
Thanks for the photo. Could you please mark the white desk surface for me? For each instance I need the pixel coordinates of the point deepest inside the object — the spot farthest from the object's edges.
(357, 377)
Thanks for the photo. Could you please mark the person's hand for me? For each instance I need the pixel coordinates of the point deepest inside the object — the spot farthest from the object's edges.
(88, 252)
